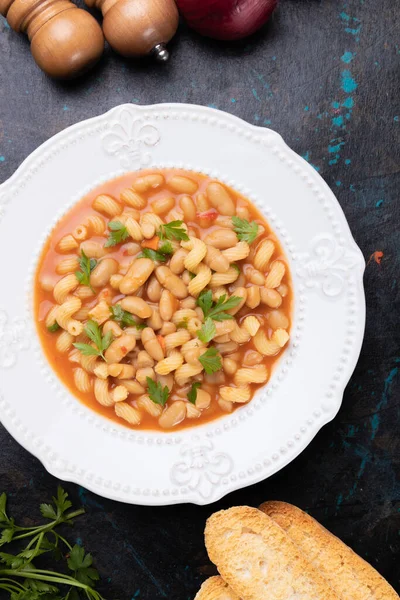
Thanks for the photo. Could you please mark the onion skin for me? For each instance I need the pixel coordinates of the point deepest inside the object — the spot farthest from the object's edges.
(226, 19)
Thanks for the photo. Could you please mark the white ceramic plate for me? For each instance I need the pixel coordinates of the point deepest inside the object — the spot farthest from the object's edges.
(204, 463)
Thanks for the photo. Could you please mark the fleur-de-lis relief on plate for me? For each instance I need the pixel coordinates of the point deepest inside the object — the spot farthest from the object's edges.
(327, 265)
(13, 338)
(201, 469)
(128, 139)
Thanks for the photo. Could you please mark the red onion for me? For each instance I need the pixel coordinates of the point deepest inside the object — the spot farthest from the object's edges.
(226, 19)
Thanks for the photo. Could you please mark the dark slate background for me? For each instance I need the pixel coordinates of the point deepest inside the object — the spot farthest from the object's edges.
(324, 74)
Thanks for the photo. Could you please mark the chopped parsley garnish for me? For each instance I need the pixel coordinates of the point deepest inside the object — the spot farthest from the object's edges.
(247, 232)
(207, 331)
(124, 318)
(173, 231)
(160, 255)
(157, 392)
(118, 233)
(217, 310)
(192, 394)
(211, 361)
(101, 342)
(86, 265)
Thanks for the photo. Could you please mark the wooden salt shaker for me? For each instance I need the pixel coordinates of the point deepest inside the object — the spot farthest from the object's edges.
(138, 27)
(65, 40)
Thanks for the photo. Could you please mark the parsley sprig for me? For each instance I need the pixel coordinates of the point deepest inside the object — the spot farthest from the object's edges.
(173, 231)
(118, 233)
(245, 230)
(192, 394)
(217, 310)
(124, 318)
(20, 577)
(211, 360)
(157, 392)
(86, 265)
(101, 342)
(207, 331)
(160, 255)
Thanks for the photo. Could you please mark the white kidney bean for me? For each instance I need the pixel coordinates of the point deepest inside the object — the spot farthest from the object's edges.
(278, 320)
(171, 282)
(182, 185)
(137, 306)
(148, 183)
(221, 239)
(176, 264)
(173, 415)
(153, 289)
(167, 305)
(119, 348)
(189, 210)
(163, 205)
(101, 275)
(138, 273)
(151, 344)
(220, 199)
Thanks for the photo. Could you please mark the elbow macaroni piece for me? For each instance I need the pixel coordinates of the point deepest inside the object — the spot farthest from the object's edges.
(238, 252)
(198, 250)
(64, 315)
(200, 281)
(263, 255)
(230, 276)
(236, 394)
(128, 413)
(169, 364)
(107, 205)
(275, 275)
(64, 287)
(257, 374)
(82, 380)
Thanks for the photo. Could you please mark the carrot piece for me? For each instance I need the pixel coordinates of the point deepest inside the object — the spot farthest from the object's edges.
(152, 243)
(161, 341)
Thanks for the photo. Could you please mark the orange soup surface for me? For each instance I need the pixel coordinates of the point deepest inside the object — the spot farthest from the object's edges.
(163, 300)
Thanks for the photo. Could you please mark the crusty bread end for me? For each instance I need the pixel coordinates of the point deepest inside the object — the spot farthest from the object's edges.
(347, 573)
(215, 588)
(258, 560)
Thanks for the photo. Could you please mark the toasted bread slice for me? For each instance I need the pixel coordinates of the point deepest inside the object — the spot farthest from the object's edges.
(347, 573)
(258, 559)
(215, 588)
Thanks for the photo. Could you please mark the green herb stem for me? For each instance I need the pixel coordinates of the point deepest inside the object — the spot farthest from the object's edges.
(32, 530)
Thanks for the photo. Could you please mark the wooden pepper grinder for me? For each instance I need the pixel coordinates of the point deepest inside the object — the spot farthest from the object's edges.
(138, 27)
(65, 40)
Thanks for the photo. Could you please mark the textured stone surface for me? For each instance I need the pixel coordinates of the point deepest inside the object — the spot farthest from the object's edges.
(326, 76)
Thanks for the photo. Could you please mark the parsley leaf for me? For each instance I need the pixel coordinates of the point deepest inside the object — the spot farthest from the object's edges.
(211, 361)
(173, 231)
(192, 394)
(160, 255)
(124, 318)
(81, 564)
(218, 310)
(54, 327)
(205, 301)
(86, 265)
(119, 233)
(247, 232)
(157, 393)
(61, 505)
(207, 331)
(101, 342)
